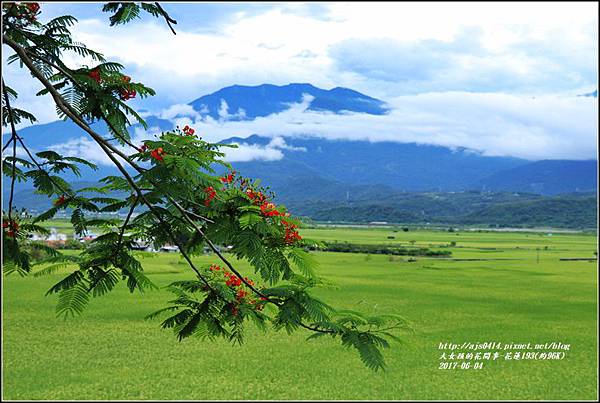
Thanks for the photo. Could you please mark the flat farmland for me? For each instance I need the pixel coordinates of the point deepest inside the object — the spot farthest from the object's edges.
(517, 291)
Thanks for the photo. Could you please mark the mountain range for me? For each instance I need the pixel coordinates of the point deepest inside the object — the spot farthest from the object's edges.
(245, 102)
(413, 167)
(316, 169)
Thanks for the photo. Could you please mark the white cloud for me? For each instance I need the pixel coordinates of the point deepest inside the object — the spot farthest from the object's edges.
(139, 134)
(495, 124)
(249, 152)
(178, 110)
(544, 127)
(83, 148)
(225, 115)
(242, 152)
(547, 44)
(279, 142)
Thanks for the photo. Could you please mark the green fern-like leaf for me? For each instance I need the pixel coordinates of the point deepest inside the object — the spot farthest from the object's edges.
(68, 282)
(102, 281)
(72, 301)
(304, 261)
(78, 221)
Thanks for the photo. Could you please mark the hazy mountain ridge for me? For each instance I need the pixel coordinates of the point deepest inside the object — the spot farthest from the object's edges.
(249, 102)
(400, 166)
(546, 177)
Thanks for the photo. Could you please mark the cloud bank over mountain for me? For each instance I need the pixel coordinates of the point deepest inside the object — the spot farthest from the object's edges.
(535, 128)
(241, 152)
(542, 127)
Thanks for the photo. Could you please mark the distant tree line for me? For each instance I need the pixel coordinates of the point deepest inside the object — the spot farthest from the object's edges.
(577, 211)
(347, 247)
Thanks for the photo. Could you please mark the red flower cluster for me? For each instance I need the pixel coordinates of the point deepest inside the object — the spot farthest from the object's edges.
(60, 200)
(291, 233)
(158, 154)
(126, 94)
(95, 75)
(257, 197)
(232, 280)
(228, 178)
(126, 79)
(22, 11)
(241, 294)
(269, 209)
(210, 195)
(33, 7)
(11, 226)
(188, 131)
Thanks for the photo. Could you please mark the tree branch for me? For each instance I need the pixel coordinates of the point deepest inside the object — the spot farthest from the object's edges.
(109, 149)
(66, 73)
(219, 254)
(14, 154)
(199, 216)
(316, 329)
(39, 166)
(7, 144)
(122, 232)
(112, 128)
(167, 18)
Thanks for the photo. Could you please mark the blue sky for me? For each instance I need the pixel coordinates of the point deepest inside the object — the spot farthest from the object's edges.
(466, 59)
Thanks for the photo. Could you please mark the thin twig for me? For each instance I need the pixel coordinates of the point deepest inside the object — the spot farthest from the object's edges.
(198, 216)
(7, 144)
(316, 329)
(40, 167)
(122, 232)
(168, 18)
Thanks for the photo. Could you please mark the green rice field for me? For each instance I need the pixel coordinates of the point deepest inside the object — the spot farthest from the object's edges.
(501, 287)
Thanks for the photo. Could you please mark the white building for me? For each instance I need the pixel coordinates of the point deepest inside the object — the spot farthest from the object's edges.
(54, 236)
